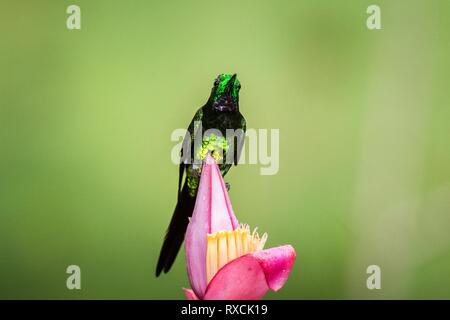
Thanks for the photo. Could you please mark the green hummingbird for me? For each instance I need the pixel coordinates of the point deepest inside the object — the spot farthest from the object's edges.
(221, 128)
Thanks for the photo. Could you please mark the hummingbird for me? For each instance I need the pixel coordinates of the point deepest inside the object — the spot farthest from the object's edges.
(212, 123)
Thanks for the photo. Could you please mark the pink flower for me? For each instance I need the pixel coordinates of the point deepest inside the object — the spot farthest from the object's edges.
(224, 260)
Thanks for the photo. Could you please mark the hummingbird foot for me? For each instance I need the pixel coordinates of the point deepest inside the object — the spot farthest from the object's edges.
(228, 186)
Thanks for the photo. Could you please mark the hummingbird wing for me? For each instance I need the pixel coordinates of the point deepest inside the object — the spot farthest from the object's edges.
(185, 204)
(187, 150)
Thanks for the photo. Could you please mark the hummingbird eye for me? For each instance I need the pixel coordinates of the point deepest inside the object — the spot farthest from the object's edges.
(216, 82)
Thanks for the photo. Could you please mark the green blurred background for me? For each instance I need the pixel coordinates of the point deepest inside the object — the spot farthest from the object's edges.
(86, 118)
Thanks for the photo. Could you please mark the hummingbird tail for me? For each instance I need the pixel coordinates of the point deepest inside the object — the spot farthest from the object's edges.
(176, 230)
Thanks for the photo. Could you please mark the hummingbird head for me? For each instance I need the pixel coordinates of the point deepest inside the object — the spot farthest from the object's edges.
(225, 93)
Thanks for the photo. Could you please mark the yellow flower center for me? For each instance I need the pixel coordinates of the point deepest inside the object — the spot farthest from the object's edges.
(225, 246)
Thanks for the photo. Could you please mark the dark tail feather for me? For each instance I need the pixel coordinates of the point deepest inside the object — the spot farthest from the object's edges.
(176, 230)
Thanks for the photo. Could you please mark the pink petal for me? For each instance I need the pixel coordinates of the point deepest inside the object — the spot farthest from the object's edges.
(212, 212)
(240, 279)
(222, 215)
(277, 264)
(190, 295)
(249, 277)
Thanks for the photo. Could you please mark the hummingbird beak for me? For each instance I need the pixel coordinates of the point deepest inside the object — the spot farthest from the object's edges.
(230, 85)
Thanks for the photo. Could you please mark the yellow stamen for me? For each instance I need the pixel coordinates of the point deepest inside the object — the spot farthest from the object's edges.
(225, 246)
